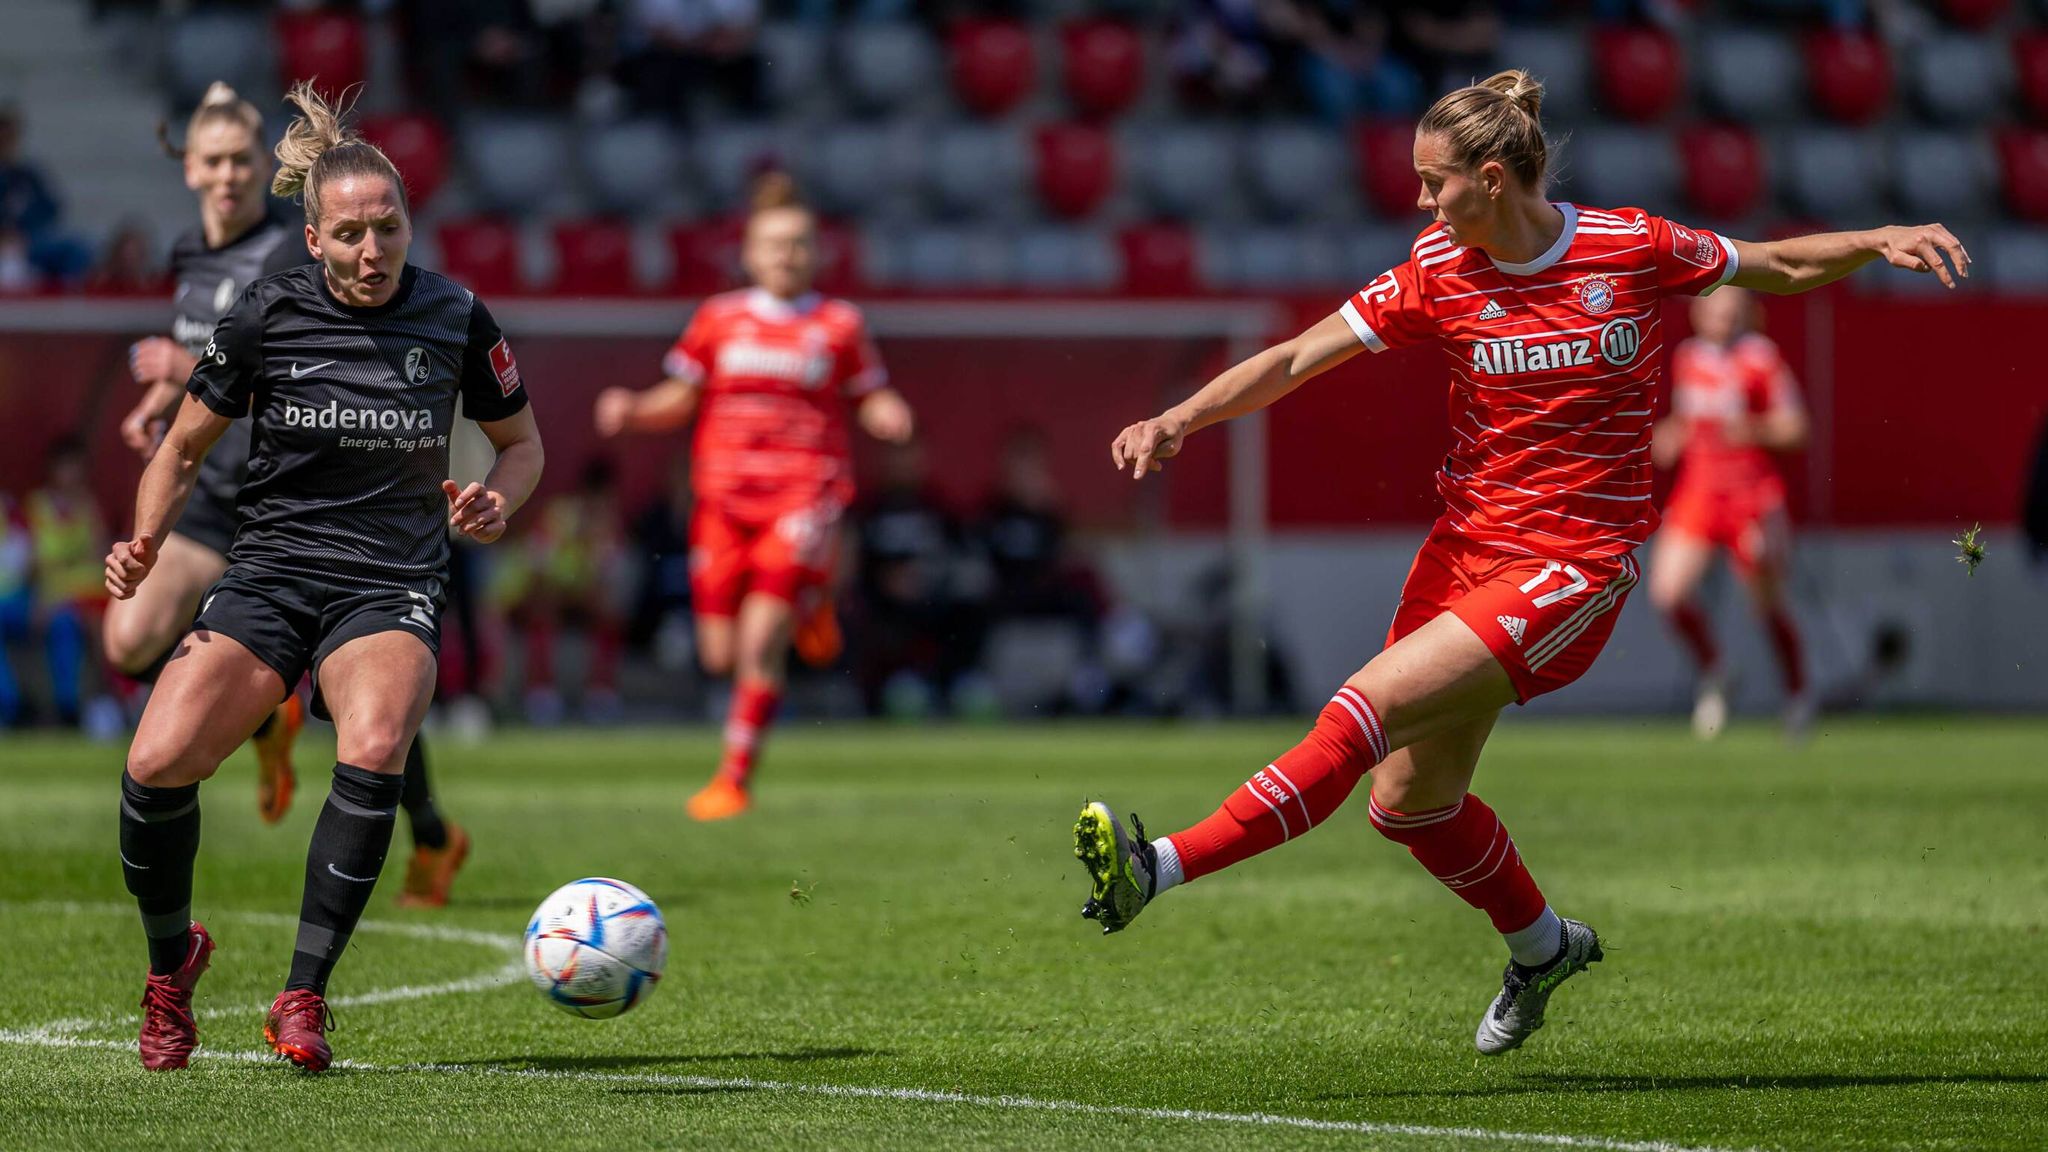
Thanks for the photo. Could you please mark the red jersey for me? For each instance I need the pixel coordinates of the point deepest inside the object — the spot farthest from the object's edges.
(1712, 385)
(1552, 365)
(777, 379)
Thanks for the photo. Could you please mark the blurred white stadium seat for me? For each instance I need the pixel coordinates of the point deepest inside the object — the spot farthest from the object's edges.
(1960, 78)
(978, 170)
(1750, 74)
(1837, 174)
(515, 163)
(1558, 57)
(1943, 174)
(731, 153)
(869, 169)
(1301, 171)
(218, 44)
(1065, 259)
(887, 65)
(1272, 258)
(2018, 258)
(960, 259)
(795, 59)
(1187, 169)
(1371, 251)
(633, 166)
(1617, 167)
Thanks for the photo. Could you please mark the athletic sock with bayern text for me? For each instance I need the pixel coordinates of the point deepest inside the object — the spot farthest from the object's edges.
(342, 863)
(1288, 797)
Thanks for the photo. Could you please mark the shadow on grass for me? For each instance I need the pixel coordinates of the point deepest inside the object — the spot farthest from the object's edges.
(603, 1063)
(1550, 1083)
(681, 1090)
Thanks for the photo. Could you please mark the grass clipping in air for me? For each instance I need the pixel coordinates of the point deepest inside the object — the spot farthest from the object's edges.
(1971, 551)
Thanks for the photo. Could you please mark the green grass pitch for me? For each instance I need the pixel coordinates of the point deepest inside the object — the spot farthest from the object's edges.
(1834, 947)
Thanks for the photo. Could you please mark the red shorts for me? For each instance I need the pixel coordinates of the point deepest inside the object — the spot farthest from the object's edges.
(1752, 525)
(788, 556)
(1544, 620)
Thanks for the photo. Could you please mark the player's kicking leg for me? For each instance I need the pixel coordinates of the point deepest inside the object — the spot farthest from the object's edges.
(1125, 871)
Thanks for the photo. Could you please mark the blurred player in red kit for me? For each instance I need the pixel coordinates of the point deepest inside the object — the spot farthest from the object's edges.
(1547, 316)
(1734, 406)
(770, 374)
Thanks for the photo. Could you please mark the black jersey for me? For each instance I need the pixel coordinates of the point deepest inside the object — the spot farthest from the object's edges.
(351, 410)
(210, 280)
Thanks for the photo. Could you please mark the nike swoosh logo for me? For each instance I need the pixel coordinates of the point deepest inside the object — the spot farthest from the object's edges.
(131, 863)
(298, 371)
(346, 876)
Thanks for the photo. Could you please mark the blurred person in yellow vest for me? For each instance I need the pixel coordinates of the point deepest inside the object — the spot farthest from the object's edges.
(571, 580)
(68, 540)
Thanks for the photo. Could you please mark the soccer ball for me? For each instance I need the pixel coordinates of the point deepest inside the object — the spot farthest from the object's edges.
(596, 947)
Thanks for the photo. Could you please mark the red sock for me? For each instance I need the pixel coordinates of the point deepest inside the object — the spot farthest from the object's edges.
(1294, 793)
(746, 724)
(1692, 627)
(1467, 848)
(1785, 642)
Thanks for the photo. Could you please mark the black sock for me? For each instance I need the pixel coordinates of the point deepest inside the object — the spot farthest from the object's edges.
(428, 830)
(159, 840)
(342, 863)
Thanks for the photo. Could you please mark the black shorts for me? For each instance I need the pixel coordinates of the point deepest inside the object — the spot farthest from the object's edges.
(207, 521)
(293, 622)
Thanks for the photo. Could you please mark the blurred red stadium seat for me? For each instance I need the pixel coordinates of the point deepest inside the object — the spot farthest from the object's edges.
(1159, 260)
(993, 64)
(1102, 65)
(1076, 168)
(2030, 60)
(1849, 74)
(594, 258)
(1724, 169)
(322, 44)
(1386, 166)
(2023, 171)
(1640, 71)
(1974, 13)
(418, 146)
(482, 253)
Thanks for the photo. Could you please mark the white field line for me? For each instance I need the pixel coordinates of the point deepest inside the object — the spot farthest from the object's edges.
(62, 1034)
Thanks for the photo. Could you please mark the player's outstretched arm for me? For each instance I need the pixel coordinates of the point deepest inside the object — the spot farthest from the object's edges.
(166, 485)
(668, 405)
(482, 510)
(1243, 388)
(1801, 263)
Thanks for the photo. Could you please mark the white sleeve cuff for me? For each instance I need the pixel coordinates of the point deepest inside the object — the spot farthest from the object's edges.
(677, 366)
(1733, 266)
(1360, 328)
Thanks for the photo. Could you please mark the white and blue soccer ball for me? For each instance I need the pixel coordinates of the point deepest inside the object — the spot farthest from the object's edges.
(596, 947)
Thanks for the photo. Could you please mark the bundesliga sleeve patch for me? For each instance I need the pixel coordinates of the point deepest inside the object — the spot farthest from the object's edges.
(1694, 247)
(506, 367)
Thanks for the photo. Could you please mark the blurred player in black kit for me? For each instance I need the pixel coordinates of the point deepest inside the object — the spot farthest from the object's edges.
(348, 371)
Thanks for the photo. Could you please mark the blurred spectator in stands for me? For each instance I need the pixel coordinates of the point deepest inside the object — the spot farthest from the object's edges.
(910, 635)
(661, 607)
(70, 544)
(1448, 42)
(17, 603)
(1022, 530)
(1221, 54)
(1344, 64)
(573, 557)
(31, 217)
(127, 266)
(519, 53)
(674, 50)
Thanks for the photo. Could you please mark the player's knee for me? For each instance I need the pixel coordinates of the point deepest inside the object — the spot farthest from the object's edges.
(130, 645)
(716, 660)
(375, 745)
(160, 763)
(1667, 598)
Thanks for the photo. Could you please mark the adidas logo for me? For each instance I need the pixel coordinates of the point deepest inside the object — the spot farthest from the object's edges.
(1493, 311)
(1515, 626)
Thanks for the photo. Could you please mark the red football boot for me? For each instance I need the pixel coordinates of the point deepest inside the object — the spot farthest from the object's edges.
(296, 1029)
(169, 1033)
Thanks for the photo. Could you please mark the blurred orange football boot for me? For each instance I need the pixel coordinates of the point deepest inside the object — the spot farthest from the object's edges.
(817, 638)
(275, 781)
(719, 800)
(431, 871)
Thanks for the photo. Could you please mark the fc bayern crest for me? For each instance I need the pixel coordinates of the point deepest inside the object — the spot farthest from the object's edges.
(1596, 294)
(417, 367)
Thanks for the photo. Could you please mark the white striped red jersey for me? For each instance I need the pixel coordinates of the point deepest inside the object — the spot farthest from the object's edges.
(779, 377)
(1552, 367)
(1713, 386)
